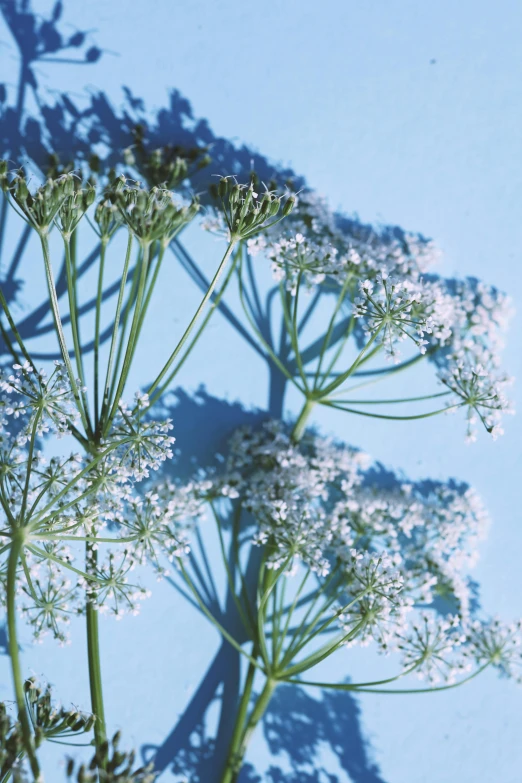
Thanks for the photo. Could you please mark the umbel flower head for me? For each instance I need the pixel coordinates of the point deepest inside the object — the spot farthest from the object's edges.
(246, 212)
(390, 555)
(393, 312)
(477, 389)
(150, 214)
(379, 289)
(117, 766)
(33, 396)
(49, 721)
(59, 199)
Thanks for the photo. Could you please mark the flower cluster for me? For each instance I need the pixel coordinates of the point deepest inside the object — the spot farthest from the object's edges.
(48, 722)
(44, 402)
(117, 766)
(62, 502)
(391, 550)
(383, 281)
(141, 444)
(243, 212)
(393, 313)
(41, 208)
(481, 393)
(151, 215)
(295, 259)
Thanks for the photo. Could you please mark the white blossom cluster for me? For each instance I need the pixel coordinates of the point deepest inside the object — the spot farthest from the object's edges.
(482, 393)
(392, 550)
(28, 393)
(393, 312)
(386, 284)
(64, 502)
(320, 244)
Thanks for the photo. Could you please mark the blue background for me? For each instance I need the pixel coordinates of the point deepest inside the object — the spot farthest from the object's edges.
(406, 113)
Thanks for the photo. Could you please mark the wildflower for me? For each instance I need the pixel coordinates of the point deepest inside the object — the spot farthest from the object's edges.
(395, 313)
(47, 401)
(496, 643)
(151, 215)
(481, 393)
(429, 646)
(246, 213)
(143, 444)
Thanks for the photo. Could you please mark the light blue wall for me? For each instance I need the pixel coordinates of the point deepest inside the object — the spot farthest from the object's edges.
(406, 113)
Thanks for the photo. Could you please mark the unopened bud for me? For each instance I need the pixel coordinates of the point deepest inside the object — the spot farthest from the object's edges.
(222, 187)
(289, 205)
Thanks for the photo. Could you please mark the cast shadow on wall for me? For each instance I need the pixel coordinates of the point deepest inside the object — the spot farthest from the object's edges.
(296, 726)
(33, 125)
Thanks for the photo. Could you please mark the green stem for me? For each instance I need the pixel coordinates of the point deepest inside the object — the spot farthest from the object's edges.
(99, 295)
(133, 334)
(116, 325)
(14, 655)
(300, 425)
(193, 321)
(59, 329)
(75, 327)
(204, 323)
(95, 677)
(5, 308)
(241, 716)
(237, 751)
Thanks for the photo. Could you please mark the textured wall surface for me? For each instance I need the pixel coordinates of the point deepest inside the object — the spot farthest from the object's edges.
(403, 112)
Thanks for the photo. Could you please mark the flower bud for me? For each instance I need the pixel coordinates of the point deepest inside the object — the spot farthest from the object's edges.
(289, 205)
(21, 189)
(222, 187)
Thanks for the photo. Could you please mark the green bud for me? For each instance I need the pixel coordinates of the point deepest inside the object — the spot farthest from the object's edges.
(266, 204)
(68, 187)
(289, 205)
(222, 187)
(235, 195)
(21, 190)
(274, 209)
(94, 164)
(71, 718)
(89, 197)
(89, 723)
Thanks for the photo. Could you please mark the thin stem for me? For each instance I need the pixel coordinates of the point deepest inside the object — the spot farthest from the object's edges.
(215, 304)
(14, 655)
(93, 655)
(345, 375)
(132, 335)
(99, 295)
(5, 308)
(268, 348)
(193, 321)
(331, 404)
(328, 335)
(300, 425)
(73, 310)
(59, 329)
(106, 393)
(211, 617)
(237, 754)
(241, 716)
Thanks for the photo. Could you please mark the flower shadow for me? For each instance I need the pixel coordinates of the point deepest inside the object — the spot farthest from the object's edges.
(296, 726)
